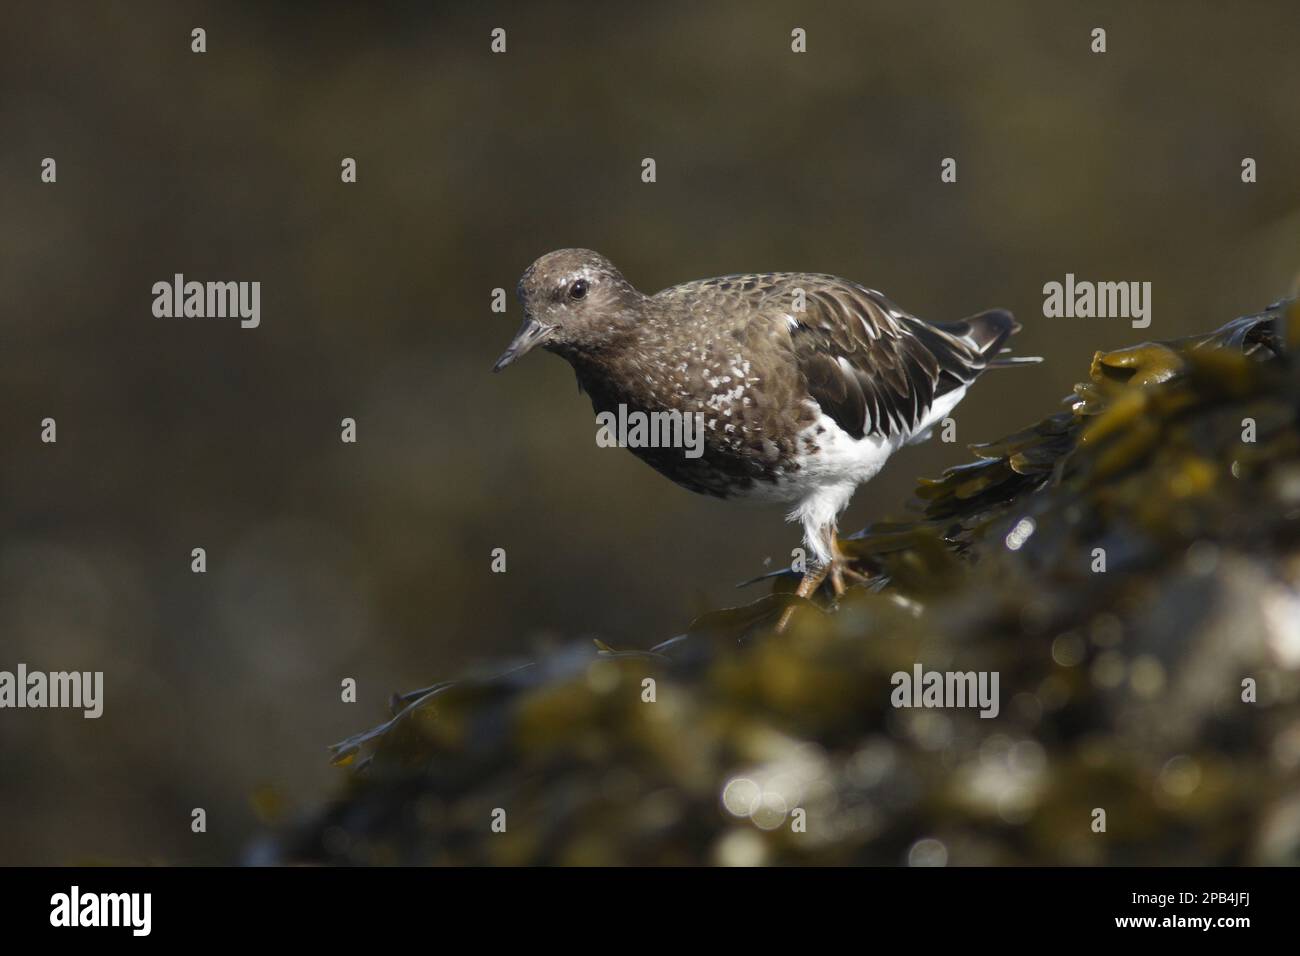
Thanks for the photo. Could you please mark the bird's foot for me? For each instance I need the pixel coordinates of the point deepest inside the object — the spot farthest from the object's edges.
(841, 574)
(812, 580)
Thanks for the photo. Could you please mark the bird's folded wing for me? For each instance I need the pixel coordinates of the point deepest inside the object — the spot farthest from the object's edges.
(873, 368)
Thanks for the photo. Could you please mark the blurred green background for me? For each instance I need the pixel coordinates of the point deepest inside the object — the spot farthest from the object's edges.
(371, 560)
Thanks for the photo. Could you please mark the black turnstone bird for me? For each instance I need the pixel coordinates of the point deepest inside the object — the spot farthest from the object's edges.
(805, 383)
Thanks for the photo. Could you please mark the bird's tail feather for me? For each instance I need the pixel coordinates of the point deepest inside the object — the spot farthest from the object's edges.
(988, 332)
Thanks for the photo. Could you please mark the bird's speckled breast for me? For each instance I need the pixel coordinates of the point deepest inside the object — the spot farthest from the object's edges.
(733, 369)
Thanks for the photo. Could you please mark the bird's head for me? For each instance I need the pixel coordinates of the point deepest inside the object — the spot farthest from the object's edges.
(575, 302)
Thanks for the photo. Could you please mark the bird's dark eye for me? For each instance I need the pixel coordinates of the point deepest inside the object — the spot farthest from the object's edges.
(578, 290)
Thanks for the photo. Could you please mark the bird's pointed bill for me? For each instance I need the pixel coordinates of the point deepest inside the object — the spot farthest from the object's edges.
(530, 334)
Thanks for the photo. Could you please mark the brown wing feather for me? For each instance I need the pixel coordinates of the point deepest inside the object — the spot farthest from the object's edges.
(870, 366)
(874, 369)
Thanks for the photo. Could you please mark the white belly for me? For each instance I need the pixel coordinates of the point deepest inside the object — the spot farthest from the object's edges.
(825, 482)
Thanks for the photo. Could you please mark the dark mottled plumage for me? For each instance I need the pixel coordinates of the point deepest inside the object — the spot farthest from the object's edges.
(799, 404)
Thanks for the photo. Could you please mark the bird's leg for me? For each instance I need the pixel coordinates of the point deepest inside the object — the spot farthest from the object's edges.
(836, 568)
(814, 577)
(812, 580)
(841, 570)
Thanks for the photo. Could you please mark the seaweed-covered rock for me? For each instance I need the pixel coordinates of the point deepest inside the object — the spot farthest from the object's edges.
(1129, 568)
